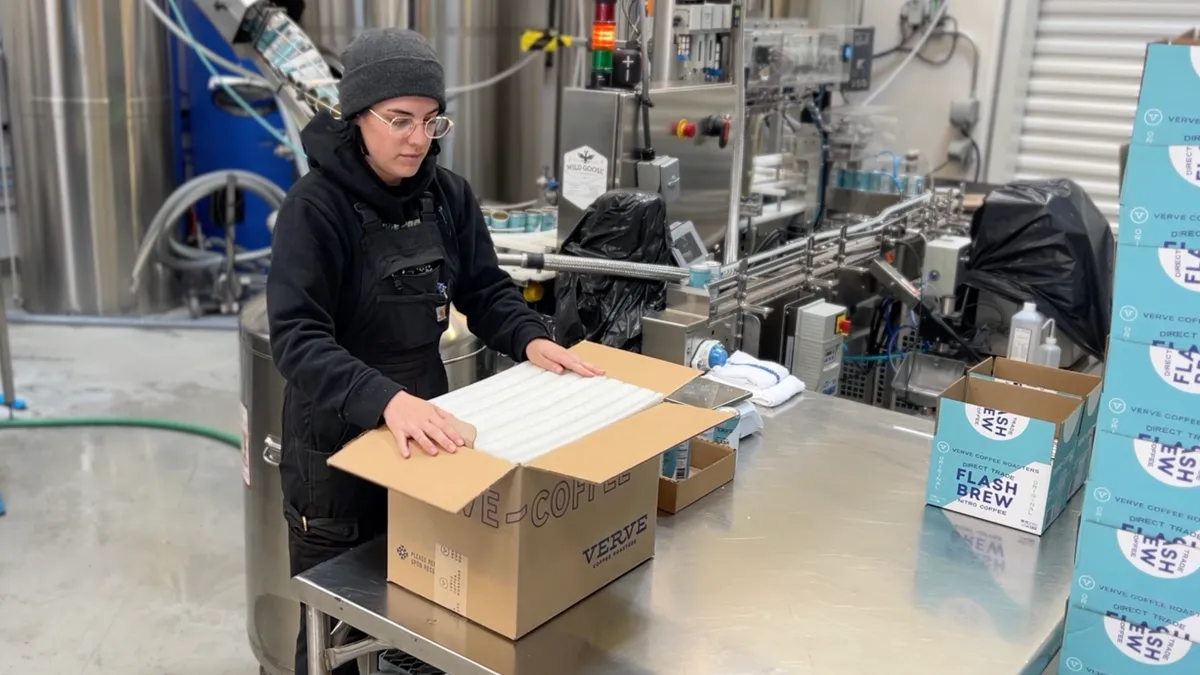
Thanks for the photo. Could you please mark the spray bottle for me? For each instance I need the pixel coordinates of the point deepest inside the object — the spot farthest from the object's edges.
(1025, 334)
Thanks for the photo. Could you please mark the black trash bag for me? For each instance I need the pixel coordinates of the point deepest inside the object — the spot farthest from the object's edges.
(1046, 242)
(623, 225)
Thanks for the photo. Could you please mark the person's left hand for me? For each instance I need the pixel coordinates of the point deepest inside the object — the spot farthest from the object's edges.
(548, 355)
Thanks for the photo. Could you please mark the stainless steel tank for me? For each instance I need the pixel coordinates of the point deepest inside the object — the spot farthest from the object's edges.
(91, 125)
(503, 134)
(272, 612)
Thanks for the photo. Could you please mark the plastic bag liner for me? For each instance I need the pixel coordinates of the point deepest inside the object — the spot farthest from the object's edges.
(1046, 242)
(621, 225)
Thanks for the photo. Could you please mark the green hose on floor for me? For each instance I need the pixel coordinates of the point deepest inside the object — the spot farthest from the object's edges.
(231, 440)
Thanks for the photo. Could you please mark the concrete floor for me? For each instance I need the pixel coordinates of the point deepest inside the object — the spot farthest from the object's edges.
(122, 550)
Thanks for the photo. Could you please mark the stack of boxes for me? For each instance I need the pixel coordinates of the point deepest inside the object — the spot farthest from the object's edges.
(1135, 598)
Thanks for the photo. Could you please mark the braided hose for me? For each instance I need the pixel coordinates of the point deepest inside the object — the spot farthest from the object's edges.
(554, 262)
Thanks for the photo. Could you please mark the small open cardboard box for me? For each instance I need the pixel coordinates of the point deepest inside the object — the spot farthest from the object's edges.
(997, 452)
(510, 546)
(713, 465)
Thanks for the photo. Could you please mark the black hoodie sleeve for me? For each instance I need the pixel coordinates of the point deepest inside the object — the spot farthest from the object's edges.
(495, 310)
(308, 267)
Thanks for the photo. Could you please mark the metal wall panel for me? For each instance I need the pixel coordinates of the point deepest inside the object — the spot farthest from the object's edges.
(1082, 88)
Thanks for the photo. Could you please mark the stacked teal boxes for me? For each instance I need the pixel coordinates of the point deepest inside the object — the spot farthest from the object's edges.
(1135, 601)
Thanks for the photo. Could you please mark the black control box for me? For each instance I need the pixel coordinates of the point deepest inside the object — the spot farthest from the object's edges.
(858, 52)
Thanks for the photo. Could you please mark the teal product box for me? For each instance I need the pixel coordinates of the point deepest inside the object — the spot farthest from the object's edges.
(1086, 387)
(1095, 644)
(1151, 483)
(993, 454)
(1140, 575)
(1022, 374)
(1156, 294)
(1168, 111)
(1151, 390)
(1160, 198)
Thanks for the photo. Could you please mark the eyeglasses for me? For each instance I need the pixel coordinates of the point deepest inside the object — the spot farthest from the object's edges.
(435, 127)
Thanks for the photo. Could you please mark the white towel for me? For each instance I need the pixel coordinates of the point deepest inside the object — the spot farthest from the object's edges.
(770, 396)
(747, 372)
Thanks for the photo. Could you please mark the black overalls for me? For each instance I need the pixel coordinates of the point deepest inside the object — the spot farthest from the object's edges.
(406, 301)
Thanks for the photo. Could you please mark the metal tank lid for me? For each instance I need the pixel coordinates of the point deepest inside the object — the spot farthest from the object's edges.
(456, 342)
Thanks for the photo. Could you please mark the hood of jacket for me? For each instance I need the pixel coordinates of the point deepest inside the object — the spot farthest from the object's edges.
(334, 149)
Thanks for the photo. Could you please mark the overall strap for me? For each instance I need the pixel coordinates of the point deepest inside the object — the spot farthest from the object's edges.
(366, 215)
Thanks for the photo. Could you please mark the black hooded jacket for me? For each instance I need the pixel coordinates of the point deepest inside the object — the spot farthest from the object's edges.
(316, 298)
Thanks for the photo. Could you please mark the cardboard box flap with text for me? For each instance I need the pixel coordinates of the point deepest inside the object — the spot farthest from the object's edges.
(1059, 410)
(1054, 379)
(451, 481)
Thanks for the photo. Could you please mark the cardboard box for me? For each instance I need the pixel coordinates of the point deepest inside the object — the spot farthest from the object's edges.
(1087, 388)
(1104, 645)
(1151, 390)
(511, 546)
(993, 453)
(1146, 482)
(1156, 294)
(713, 465)
(1160, 198)
(1168, 105)
(1138, 574)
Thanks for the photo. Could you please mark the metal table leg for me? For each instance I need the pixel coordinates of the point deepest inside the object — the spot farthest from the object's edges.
(318, 641)
(8, 392)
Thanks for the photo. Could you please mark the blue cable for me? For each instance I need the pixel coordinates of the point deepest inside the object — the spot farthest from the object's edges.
(212, 69)
(821, 179)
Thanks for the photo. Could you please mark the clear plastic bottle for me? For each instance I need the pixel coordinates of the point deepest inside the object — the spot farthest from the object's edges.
(1025, 333)
(1050, 353)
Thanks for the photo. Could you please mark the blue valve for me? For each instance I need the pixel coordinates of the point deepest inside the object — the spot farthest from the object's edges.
(17, 404)
(717, 356)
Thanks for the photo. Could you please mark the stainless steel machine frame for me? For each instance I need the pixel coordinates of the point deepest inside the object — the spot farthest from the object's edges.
(746, 306)
(607, 121)
(747, 580)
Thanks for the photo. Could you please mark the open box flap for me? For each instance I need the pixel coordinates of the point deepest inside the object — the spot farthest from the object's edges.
(636, 369)
(1061, 411)
(448, 481)
(1057, 379)
(1191, 37)
(623, 445)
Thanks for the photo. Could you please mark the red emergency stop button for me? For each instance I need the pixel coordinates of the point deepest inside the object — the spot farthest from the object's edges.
(684, 129)
(843, 326)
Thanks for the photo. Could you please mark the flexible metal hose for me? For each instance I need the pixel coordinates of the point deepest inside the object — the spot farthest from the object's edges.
(566, 263)
(172, 253)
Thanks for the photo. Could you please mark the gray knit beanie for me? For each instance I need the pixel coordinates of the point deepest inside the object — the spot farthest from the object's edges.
(383, 63)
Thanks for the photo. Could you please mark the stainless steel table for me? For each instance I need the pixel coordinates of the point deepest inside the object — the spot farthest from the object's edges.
(819, 558)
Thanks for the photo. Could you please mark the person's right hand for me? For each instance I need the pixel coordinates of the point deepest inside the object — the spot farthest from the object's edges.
(408, 417)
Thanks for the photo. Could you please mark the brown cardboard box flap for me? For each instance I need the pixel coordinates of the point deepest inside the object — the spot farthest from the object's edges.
(1054, 408)
(1057, 379)
(1192, 37)
(636, 369)
(624, 444)
(446, 481)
